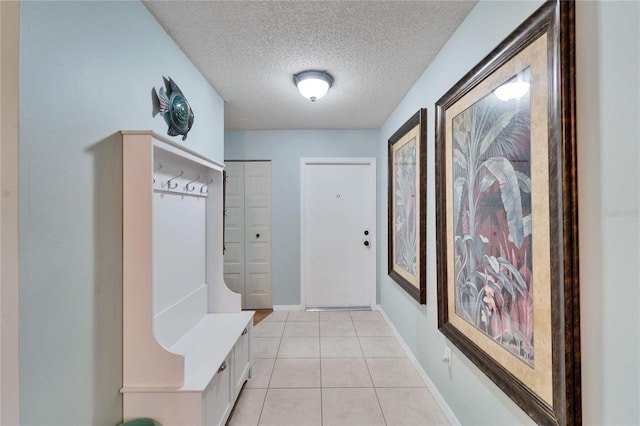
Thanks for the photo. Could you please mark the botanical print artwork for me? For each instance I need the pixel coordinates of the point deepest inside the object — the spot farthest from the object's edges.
(407, 206)
(405, 209)
(506, 197)
(492, 217)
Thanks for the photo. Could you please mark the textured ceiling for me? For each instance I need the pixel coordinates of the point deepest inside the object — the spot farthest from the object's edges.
(249, 51)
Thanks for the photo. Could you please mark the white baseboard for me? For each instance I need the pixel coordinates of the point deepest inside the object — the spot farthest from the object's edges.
(301, 308)
(446, 410)
(288, 308)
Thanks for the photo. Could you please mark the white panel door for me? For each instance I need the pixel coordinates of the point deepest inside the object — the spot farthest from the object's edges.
(247, 257)
(234, 228)
(257, 216)
(338, 234)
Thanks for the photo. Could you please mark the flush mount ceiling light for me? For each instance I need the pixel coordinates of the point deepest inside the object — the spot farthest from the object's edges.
(313, 84)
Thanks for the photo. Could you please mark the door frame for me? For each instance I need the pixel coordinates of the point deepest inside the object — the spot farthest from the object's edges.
(371, 184)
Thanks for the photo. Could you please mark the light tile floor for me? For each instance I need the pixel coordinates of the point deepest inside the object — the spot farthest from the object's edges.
(332, 368)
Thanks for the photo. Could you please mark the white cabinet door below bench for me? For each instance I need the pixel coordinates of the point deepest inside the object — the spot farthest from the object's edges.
(241, 359)
(218, 398)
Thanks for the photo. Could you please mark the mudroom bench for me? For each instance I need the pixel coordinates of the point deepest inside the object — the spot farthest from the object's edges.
(186, 342)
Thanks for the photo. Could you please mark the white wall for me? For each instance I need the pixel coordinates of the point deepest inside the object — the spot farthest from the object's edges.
(608, 107)
(87, 70)
(284, 149)
(608, 46)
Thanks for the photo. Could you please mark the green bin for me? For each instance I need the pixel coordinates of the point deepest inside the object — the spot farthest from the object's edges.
(140, 422)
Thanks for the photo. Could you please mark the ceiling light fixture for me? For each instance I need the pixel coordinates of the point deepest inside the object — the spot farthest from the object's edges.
(313, 84)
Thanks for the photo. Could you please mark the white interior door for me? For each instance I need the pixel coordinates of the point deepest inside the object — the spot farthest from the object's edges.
(338, 224)
(234, 228)
(257, 175)
(247, 257)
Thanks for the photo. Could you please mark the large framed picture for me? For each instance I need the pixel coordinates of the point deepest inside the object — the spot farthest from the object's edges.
(506, 217)
(407, 206)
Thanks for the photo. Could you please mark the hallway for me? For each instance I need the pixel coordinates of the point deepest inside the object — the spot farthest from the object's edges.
(332, 368)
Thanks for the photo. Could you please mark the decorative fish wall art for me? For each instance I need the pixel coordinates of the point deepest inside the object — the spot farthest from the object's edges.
(175, 109)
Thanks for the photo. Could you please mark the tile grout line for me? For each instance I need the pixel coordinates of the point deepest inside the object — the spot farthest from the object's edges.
(375, 391)
(384, 418)
(264, 401)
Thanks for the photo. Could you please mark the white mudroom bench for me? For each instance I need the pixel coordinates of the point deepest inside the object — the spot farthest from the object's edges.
(186, 341)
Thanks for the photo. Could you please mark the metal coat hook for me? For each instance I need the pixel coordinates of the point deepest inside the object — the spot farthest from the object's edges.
(204, 188)
(175, 185)
(186, 187)
(157, 170)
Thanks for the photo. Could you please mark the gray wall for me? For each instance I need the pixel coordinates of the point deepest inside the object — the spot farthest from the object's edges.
(285, 149)
(86, 71)
(608, 46)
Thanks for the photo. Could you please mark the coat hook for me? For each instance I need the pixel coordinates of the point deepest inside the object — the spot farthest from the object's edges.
(204, 188)
(174, 185)
(186, 187)
(157, 170)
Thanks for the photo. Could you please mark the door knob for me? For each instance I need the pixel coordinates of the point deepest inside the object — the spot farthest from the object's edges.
(257, 235)
(366, 243)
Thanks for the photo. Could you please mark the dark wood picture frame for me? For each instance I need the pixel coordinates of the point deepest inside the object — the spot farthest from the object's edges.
(406, 229)
(555, 304)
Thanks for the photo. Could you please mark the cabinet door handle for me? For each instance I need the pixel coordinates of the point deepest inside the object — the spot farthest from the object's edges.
(222, 367)
(245, 331)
